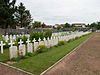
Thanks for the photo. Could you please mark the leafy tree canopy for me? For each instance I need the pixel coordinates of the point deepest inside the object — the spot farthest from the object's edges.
(36, 24)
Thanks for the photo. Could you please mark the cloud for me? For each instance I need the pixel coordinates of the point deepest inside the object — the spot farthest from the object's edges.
(61, 11)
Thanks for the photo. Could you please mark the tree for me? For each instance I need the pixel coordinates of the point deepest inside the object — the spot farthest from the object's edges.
(67, 25)
(98, 25)
(36, 24)
(59, 27)
(75, 29)
(93, 25)
(7, 10)
(73, 25)
(23, 16)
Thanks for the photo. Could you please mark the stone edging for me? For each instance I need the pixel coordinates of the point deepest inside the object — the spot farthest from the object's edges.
(65, 57)
(16, 68)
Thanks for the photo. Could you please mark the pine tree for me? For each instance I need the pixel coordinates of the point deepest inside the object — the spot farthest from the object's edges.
(7, 10)
(23, 16)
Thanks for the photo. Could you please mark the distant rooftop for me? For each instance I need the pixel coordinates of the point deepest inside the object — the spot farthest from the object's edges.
(79, 23)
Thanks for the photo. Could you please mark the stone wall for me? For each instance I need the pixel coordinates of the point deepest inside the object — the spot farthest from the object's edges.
(24, 31)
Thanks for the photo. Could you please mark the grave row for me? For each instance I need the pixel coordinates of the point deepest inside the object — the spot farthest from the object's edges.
(30, 45)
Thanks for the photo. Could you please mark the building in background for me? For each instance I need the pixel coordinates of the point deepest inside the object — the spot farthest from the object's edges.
(83, 25)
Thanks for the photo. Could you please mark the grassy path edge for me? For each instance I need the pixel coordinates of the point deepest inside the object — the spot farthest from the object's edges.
(43, 63)
(43, 73)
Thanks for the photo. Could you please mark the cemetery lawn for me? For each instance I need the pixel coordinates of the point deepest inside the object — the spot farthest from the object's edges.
(37, 64)
(4, 57)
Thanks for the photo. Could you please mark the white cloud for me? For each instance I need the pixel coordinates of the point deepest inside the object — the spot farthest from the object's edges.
(61, 11)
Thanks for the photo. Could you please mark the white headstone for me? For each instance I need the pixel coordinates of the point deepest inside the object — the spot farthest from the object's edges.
(6, 38)
(21, 42)
(46, 43)
(28, 41)
(3, 36)
(17, 35)
(39, 39)
(48, 38)
(11, 43)
(11, 38)
(13, 52)
(14, 37)
(41, 43)
(35, 46)
(49, 43)
(22, 50)
(51, 38)
(34, 40)
(44, 39)
(30, 48)
(2, 47)
(52, 42)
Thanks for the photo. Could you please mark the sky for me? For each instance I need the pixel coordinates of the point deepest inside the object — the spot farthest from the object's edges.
(62, 11)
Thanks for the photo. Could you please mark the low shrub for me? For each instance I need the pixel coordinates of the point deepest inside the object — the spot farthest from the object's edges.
(6, 45)
(1, 38)
(31, 54)
(48, 33)
(19, 58)
(34, 35)
(77, 37)
(40, 35)
(56, 46)
(70, 40)
(23, 38)
(41, 48)
(16, 59)
(60, 43)
(24, 57)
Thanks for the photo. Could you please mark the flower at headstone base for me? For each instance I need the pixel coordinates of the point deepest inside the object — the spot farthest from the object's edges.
(21, 53)
(39, 48)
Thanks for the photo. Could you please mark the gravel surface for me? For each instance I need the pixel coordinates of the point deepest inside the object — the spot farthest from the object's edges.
(85, 60)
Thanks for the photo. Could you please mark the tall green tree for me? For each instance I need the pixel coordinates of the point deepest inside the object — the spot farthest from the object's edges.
(98, 25)
(67, 25)
(59, 27)
(7, 10)
(93, 25)
(36, 24)
(23, 16)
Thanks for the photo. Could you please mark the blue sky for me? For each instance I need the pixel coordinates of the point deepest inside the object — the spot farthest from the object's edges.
(62, 11)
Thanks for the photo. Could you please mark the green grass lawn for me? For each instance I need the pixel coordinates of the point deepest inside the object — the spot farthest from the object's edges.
(4, 57)
(41, 62)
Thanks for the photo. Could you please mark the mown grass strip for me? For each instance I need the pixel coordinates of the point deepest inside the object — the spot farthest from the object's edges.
(41, 62)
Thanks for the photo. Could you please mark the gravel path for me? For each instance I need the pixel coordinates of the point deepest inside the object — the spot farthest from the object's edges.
(7, 70)
(85, 60)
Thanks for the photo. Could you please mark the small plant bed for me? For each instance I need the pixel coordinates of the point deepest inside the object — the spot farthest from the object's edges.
(39, 62)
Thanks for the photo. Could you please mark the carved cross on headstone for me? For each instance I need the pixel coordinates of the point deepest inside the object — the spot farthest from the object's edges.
(48, 38)
(34, 40)
(51, 38)
(39, 39)
(11, 43)
(2, 44)
(28, 41)
(21, 42)
(44, 39)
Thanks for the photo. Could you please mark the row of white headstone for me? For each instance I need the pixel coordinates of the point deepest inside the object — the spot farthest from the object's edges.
(48, 43)
(13, 37)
